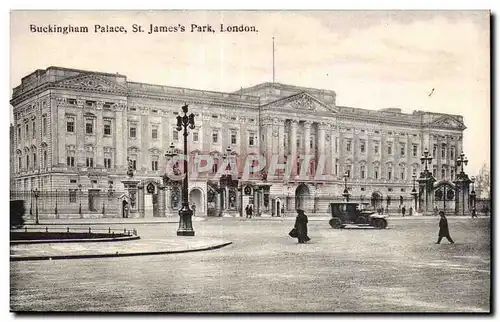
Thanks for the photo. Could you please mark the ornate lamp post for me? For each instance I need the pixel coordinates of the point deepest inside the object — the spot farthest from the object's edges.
(461, 161)
(80, 200)
(55, 210)
(414, 190)
(36, 194)
(185, 214)
(426, 160)
(346, 191)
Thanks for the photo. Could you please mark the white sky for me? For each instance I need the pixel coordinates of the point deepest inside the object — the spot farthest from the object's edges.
(371, 59)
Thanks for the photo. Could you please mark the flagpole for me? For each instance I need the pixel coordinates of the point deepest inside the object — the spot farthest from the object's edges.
(273, 59)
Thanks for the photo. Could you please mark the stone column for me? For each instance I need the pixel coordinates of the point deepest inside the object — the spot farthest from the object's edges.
(121, 131)
(59, 133)
(293, 145)
(218, 208)
(140, 200)
(281, 140)
(99, 132)
(161, 200)
(321, 146)
(307, 137)
(80, 136)
(168, 202)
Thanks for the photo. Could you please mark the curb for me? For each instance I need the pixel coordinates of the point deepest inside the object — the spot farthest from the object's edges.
(57, 257)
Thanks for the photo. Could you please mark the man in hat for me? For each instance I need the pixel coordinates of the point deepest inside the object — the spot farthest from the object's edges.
(443, 229)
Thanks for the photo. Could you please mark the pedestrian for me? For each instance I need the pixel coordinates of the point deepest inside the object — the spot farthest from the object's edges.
(282, 212)
(194, 209)
(250, 211)
(474, 212)
(443, 229)
(411, 211)
(403, 210)
(436, 210)
(301, 226)
(247, 211)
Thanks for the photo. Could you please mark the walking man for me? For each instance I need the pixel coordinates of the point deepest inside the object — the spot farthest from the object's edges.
(247, 211)
(443, 229)
(250, 211)
(194, 209)
(403, 210)
(474, 212)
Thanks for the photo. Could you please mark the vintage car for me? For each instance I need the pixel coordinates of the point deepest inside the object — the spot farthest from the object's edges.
(353, 213)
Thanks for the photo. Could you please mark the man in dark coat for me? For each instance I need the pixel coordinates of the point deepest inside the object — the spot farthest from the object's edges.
(443, 229)
(301, 226)
(250, 211)
(247, 211)
(403, 210)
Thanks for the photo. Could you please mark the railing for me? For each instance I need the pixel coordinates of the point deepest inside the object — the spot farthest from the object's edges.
(68, 201)
(82, 230)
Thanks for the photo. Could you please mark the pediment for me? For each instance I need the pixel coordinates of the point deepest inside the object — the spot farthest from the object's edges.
(154, 150)
(448, 122)
(91, 82)
(302, 102)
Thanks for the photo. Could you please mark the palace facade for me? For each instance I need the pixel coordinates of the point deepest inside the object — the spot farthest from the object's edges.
(74, 130)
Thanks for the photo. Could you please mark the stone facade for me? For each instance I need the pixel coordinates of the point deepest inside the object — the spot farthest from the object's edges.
(75, 129)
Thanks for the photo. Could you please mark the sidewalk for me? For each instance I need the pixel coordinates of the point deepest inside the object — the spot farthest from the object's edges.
(170, 245)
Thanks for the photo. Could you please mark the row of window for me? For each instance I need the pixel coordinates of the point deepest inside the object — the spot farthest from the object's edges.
(89, 129)
(32, 133)
(31, 161)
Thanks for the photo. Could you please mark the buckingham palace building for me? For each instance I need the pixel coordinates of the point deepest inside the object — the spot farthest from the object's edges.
(75, 133)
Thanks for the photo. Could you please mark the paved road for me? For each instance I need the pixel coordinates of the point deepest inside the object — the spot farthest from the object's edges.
(399, 269)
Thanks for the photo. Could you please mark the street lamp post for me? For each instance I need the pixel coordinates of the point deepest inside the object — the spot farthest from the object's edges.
(414, 190)
(426, 160)
(225, 179)
(461, 161)
(346, 191)
(185, 214)
(80, 200)
(55, 210)
(36, 194)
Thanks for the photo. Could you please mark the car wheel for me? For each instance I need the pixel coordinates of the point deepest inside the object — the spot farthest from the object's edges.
(361, 220)
(335, 223)
(380, 223)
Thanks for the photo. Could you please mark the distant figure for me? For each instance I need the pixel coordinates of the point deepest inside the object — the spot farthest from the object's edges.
(282, 212)
(250, 211)
(247, 211)
(403, 210)
(474, 212)
(193, 207)
(443, 229)
(387, 210)
(436, 210)
(410, 213)
(301, 226)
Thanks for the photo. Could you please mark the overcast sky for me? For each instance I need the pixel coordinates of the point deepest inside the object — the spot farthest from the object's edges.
(371, 59)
